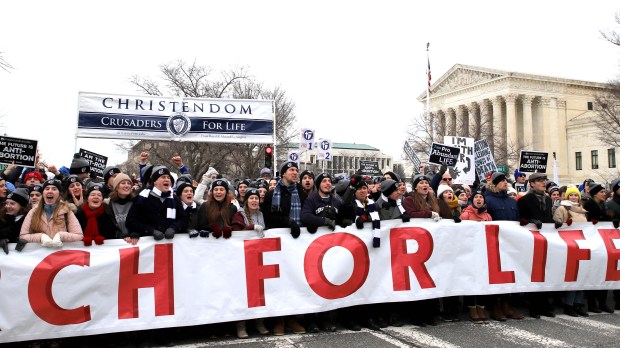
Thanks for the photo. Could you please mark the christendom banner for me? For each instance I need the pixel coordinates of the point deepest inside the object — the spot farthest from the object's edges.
(115, 116)
(79, 290)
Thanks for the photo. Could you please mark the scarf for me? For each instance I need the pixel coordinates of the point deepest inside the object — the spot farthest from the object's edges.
(453, 204)
(370, 208)
(49, 210)
(257, 218)
(295, 213)
(541, 199)
(92, 229)
(165, 197)
(394, 203)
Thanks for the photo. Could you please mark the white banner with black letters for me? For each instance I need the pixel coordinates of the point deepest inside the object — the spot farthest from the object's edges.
(78, 290)
(115, 116)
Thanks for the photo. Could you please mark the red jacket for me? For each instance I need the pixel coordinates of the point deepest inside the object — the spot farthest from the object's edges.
(471, 213)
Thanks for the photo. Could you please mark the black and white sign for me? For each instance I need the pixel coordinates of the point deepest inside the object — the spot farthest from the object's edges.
(531, 162)
(485, 163)
(443, 154)
(412, 157)
(464, 170)
(370, 168)
(293, 156)
(324, 151)
(22, 152)
(306, 141)
(97, 161)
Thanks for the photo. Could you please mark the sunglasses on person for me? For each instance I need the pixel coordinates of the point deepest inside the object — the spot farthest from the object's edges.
(446, 179)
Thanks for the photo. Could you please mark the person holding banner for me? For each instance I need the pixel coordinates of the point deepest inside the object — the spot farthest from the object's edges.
(157, 212)
(118, 205)
(185, 192)
(613, 209)
(420, 204)
(215, 215)
(97, 224)
(11, 217)
(3, 190)
(51, 222)
(307, 181)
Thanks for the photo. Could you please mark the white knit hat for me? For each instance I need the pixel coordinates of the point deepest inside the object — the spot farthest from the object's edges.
(443, 188)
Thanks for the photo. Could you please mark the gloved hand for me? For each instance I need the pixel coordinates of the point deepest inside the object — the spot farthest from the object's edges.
(311, 229)
(205, 179)
(217, 230)
(523, 221)
(330, 212)
(21, 243)
(158, 235)
(405, 217)
(435, 216)
(57, 241)
(295, 231)
(169, 233)
(87, 240)
(99, 240)
(443, 168)
(4, 244)
(616, 223)
(46, 241)
(359, 222)
(457, 218)
(259, 230)
(569, 222)
(204, 233)
(537, 223)
(594, 221)
(193, 233)
(346, 223)
(376, 242)
(227, 232)
(330, 223)
(558, 224)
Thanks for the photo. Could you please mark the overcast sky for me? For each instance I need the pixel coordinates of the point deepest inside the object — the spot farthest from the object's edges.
(353, 68)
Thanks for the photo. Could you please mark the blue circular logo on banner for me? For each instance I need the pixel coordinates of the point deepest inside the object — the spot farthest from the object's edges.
(325, 145)
(308, 134)
(293, 157)
(178, 125)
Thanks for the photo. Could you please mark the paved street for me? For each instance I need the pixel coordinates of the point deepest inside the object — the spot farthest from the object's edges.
(600, 330)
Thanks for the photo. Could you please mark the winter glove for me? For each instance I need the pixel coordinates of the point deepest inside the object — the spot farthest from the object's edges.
(558, 224)
(594, 221)
(295, 231)
(193, 233)
(311, 229)
(46, 241)
(376, 242)
(56, 241)
(259, 231)
(21, 243)
(330, 212)
(158, 235)
(443, 168)
(346, 223)
(355, 181)
(435, 216)
(4, 244)
(169, 233)
(87, 240)
(205, 179)
(537, 223)
(569, 222)
(330, 223)
(457, 218)
(99, 240)
(227, 232)
(359, 223)
(204, 233)
(523, 221)
(616, 223)
(405, 217)
(217, 230)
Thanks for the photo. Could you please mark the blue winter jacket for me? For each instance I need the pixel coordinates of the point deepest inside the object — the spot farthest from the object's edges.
(501, 206)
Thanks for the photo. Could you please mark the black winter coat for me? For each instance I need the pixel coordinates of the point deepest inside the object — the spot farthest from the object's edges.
(10, 229)
(106, 224)
(148, 214)
(529, 208)
(279, 218)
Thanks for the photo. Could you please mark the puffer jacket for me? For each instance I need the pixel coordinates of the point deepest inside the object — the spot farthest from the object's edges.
(471, 213)
(67, 226)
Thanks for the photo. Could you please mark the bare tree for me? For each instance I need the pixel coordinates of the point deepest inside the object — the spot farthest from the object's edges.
(608, 112)
(184, 79)
(4, 64)
(612, 36)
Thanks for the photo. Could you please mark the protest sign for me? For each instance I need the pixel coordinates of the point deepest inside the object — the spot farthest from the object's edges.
(97, 162)
(485, 163)
(412, 157)
(324, 152)
(22, 152)
(293, 156)
(306, 141)
(464, 170)
(370, 168)
(531, 161)
(443, 154)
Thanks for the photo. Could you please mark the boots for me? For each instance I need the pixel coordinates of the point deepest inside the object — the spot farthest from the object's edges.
(278, 328)
(473, 313)
(580, 310)
(496, 312)
(293, 325)
(241, 332)
(510, 312)
(570, 310)
(260, 326)
(482, 314)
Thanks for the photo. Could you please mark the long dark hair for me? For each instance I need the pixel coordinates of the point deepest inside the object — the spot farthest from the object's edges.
(218, 210)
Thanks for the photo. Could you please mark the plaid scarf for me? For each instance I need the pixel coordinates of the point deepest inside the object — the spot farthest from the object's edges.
(295, 213)
(171, 211)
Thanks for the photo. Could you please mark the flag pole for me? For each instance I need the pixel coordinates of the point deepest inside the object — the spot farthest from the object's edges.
(428, 91)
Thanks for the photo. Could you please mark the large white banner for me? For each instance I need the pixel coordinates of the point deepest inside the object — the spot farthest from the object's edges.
(81, 290)
(117, 116)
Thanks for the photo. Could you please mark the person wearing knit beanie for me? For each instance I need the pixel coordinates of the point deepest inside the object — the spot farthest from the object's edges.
(35, 194)
(33, 178)
(442, 188)
(306, 179)
(95, 222)
(108, 175)
(286, 165)
(79, 166)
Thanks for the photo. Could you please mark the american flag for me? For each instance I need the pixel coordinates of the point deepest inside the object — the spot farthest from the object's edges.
(428, 70)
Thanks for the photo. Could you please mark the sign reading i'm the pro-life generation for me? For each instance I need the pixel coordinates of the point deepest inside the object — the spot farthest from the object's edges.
(22, 152)
(443, 154)
(97, 161)
(370, 168)
(532, 161)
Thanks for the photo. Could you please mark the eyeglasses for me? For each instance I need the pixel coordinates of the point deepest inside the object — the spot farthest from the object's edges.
(446, 179)
(540, 180)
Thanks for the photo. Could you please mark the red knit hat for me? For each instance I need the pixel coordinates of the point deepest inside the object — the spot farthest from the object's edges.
(35, 175)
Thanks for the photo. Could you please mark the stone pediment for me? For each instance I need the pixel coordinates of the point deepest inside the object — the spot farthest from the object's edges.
(461, 76)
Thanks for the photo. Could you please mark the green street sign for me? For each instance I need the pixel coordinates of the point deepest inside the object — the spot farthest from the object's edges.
(502, 169)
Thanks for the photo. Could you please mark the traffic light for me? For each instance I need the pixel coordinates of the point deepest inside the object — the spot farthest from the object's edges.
(268, 156)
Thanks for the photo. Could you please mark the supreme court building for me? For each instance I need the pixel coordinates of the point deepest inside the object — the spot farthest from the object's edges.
(517, 111)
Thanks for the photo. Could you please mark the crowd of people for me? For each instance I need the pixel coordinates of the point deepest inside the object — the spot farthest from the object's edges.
(51, 206)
